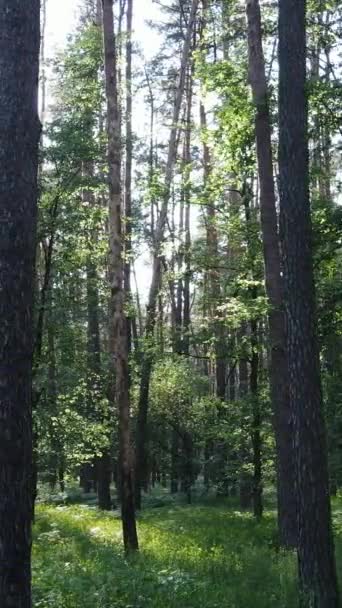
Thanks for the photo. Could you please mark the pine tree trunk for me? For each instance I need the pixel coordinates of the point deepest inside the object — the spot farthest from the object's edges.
(92, 476)
(278, 364)
(128, 169)
(19, 135)
(317, 570)
(256, 423)
(118, 318)
(254, 372)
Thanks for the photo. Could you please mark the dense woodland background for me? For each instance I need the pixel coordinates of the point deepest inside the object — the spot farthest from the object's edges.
(192, 361)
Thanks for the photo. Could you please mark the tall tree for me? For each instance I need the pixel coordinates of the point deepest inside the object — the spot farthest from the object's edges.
(19, 135)
(129, 152)
(147, 361)
(317, 571)
(270, 237)
(118, 317)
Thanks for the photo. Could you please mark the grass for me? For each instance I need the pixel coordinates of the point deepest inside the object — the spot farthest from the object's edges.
(197, 556)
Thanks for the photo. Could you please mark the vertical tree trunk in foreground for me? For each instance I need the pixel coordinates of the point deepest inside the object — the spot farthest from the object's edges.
(317, 571)
(278, 365)
(19, 135)
(118, 320)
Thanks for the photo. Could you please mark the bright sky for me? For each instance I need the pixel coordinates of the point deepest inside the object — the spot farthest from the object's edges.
(61, 15)
(61, 18)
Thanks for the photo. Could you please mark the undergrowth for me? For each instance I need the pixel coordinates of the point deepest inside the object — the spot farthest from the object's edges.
(191, 556)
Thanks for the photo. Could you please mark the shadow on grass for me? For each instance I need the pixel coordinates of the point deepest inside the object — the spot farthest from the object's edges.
(196, 556)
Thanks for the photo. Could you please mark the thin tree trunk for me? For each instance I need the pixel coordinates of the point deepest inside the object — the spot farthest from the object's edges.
(128, 169)
(52, 396)
(118, 320)
(147, 360)
(187, 254)
(213, 274)
(92, 471)
(256, 423)
(19, 136)
(278, 364)
(245, 481)
(254, 372)
(317, 570)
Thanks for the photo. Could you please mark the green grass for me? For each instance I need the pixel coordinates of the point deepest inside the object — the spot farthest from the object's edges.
(198, 556)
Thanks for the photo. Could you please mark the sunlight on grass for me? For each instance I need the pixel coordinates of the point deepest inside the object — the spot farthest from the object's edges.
(198, 556)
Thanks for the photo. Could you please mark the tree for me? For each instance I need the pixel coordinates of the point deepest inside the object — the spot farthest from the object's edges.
(317, 571)
(118, 318)
(147, 361)
(19, 136)
(269, 227)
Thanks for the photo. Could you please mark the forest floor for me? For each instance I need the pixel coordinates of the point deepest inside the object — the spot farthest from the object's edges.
(198, 556)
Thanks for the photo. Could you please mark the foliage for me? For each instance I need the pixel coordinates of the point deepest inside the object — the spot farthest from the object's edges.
(200, 555)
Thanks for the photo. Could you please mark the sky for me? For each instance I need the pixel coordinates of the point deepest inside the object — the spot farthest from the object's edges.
(61, 16)
(60, 21)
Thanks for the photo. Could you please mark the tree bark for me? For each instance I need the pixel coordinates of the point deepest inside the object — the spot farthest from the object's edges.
(254, 372)
(245, 481)
(317, 570)
(42, 67)
(19, 136)
(256, 423)
(118, 317)
(274, 289)
(128, 169)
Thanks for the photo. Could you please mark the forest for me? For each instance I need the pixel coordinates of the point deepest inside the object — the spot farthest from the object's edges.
(171, 304)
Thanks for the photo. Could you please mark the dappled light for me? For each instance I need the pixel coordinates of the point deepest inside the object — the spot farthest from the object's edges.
(170, 303)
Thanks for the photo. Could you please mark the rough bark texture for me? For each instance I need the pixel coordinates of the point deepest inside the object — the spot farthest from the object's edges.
(317, 572)
(147, 360)
(128, 172)
(19, 135)
(274, 289)
(119, 344)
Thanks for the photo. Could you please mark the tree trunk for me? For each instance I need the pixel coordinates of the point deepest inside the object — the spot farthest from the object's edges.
(103, 474)
(19, 135)
(91, 471)
(42, 67)
(317, 570)
(213, 273)
(118, 318)
(256, 423)
(174, 482)
(278, 364)
(255, 365)
(147, 361)
(128, 169)
(245, 481)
